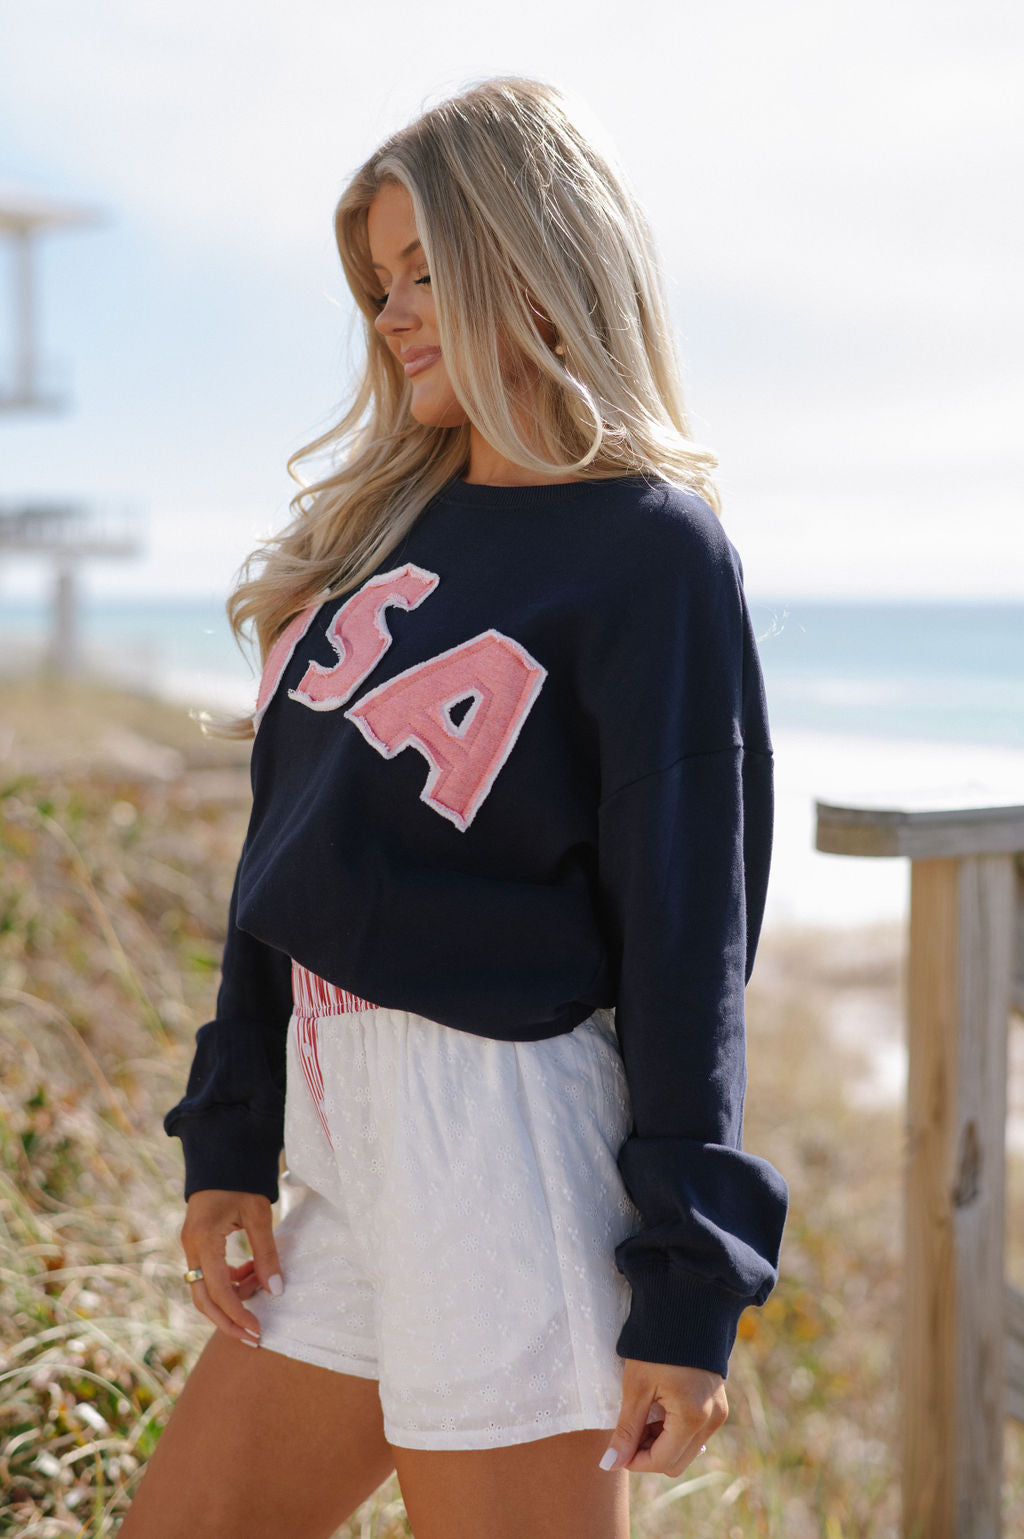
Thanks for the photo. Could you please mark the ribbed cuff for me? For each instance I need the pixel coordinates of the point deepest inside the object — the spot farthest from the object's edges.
(230, 1150)
(678, 1317)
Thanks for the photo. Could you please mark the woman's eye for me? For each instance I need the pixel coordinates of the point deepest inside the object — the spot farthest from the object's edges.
(380, 300)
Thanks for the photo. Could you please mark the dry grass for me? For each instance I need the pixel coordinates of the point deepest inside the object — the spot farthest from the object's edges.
(119, 828)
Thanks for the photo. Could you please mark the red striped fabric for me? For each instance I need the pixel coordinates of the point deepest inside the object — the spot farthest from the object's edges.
(309, 1056)
(314, 996)
(313, 999)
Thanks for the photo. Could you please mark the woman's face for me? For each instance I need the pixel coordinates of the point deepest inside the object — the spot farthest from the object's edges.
(407, 319)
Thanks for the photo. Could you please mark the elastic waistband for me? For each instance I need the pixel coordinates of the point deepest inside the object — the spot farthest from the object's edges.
(313, 995)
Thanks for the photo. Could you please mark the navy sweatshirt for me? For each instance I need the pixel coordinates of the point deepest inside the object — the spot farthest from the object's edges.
(523, 772)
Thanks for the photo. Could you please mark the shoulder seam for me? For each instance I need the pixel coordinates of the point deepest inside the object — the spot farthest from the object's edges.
(706, 753)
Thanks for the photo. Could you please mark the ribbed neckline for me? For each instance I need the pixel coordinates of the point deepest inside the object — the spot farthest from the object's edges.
(482, 495)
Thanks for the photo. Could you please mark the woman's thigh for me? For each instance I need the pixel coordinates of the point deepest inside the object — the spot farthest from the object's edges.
(260, 1445)
(550, 1488)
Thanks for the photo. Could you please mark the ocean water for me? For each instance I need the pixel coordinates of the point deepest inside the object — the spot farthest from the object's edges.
(867, 701)
(946, 672)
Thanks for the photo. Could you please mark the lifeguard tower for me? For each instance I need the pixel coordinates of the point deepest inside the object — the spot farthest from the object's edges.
(68, 532)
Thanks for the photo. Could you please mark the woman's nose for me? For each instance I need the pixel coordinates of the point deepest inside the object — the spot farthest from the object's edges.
(395, 317)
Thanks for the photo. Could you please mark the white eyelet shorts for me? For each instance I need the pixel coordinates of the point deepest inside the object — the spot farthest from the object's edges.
(450, 1212)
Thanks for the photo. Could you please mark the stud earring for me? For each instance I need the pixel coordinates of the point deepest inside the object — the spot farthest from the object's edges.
(560, 349)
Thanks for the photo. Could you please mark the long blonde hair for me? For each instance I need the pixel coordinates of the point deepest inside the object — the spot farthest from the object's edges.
(518, 212)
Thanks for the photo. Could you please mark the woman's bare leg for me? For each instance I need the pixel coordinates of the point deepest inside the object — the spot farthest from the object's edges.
(548, 1489)
(259, 1446)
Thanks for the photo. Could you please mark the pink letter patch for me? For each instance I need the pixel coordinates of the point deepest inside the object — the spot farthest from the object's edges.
(359, 635)
(414, 709)
(279, 657)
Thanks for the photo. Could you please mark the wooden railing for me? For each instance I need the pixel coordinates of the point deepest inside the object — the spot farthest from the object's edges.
(963, 1325)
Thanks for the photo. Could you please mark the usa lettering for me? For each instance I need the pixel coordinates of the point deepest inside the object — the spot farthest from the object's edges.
(414, 710)
(491, 674)
(360, 636)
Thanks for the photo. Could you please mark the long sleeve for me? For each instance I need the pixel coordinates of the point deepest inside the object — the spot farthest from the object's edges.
(685, 854)
(231, 1118)
(684, 847)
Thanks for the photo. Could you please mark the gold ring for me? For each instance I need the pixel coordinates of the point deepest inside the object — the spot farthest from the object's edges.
(194, 1274)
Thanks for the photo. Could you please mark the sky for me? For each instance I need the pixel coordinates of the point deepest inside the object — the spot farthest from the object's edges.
(834, 189)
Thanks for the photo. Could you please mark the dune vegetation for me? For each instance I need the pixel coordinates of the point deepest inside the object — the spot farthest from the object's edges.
(119, 829)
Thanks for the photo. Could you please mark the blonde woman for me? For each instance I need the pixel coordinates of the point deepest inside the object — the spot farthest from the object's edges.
(498, 899)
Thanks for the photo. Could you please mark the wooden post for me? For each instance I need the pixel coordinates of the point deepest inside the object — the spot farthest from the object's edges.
(957, 1004)
(955, 1367)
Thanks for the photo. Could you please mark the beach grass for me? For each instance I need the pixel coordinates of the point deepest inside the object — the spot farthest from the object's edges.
(119, 830)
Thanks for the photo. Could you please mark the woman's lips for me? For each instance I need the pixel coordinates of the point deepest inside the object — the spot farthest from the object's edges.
(416, 359)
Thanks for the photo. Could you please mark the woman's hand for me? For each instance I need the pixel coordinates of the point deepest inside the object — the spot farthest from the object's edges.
(209, 1218)
(694, 1404)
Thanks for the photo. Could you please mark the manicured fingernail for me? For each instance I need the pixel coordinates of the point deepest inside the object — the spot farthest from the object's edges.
(610, 1460)
(247, 1343)
(275, 1285)
(251, 1332)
